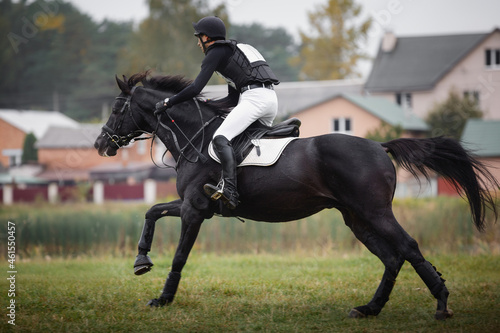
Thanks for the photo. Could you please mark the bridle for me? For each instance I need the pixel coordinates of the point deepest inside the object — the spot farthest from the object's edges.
(119, 141)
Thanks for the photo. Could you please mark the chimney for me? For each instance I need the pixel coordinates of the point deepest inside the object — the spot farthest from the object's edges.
(389, 42)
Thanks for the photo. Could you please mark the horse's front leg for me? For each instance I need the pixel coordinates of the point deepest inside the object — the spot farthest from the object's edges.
(191, 223)
(143, 263)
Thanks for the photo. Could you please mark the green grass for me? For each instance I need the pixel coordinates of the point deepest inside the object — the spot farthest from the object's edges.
(292, 292)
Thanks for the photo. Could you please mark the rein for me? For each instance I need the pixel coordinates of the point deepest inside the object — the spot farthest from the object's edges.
(189, 143)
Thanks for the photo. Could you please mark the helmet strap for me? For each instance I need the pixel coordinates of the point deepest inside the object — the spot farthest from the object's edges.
(203, 44)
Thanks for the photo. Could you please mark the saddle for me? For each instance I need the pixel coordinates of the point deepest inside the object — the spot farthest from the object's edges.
(244, 143)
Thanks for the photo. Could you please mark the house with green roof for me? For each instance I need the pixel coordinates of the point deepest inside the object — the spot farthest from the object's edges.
(416, 72)
(482, 137)
(357, 115)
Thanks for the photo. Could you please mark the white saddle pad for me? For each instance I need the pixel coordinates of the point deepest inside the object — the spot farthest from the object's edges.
(265, 153)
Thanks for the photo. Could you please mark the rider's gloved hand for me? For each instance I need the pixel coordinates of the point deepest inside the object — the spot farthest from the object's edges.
(161, 106)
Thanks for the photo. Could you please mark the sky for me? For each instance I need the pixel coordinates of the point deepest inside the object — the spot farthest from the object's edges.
(403, 17)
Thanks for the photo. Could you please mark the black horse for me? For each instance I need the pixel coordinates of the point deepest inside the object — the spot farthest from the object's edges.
(352, 174)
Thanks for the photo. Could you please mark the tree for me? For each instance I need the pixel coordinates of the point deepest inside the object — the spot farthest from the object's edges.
(30, 153)
(334, 48)
(42, 56)
(276, 45)
(96, 84)
(165, 41)
(449, 117)
(385, 132)
(55, 57)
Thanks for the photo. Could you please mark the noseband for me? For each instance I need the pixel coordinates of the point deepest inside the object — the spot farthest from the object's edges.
(118, 141)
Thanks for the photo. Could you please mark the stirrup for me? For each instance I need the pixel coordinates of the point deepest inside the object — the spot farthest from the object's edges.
(142, 264)
(214, 192)
(217, 192)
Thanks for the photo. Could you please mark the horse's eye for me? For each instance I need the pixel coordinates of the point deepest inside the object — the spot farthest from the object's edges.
(116, 107)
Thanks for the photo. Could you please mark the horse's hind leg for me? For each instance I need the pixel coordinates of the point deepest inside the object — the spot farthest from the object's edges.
(390, 230)
(392, 260)
(143, 263)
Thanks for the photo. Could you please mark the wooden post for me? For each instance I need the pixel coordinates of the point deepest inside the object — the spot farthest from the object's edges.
(8, 194)
(149, 191)
(53, 193)
(98, 193)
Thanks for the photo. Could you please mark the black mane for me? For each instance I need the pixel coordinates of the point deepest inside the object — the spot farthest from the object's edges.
(173, 84)
(170, 83)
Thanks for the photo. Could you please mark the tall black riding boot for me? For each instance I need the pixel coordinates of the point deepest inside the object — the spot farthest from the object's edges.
(226, 189)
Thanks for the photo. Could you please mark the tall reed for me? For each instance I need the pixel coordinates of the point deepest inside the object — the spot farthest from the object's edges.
(438, 224)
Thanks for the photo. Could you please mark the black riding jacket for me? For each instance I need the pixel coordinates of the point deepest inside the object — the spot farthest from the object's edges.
(238, 64)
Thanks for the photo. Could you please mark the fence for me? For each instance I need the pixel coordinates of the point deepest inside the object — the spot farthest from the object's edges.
(150, 190)
(97, 192)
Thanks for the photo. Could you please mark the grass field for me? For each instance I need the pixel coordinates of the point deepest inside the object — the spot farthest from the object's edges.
(74, 273)
(294, 292)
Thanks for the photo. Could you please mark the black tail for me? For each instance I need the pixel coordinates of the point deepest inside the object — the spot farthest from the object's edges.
(449, 159)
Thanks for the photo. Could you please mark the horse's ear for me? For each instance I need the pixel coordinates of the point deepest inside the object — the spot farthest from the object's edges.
(123, 85)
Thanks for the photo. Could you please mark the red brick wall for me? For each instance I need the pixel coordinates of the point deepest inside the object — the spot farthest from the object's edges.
(11, 138)
(493, 166)
(84, 158)
(81, 158)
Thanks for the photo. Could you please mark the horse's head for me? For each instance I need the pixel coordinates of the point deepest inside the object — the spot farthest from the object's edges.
(126, 121)
(133, 113)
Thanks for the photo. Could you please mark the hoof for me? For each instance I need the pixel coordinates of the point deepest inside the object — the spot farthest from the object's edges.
(443, 314)
(364, 311)
(154, 303)
(157, 302)
(356, 314)
(143, 269)
(142, 264)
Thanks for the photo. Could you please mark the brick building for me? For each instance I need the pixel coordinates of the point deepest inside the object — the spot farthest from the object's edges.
(16, 124)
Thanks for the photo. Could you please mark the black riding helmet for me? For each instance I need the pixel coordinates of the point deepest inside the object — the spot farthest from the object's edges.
(210, 26)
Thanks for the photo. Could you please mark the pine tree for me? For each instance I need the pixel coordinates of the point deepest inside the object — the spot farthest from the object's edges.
(30, 153)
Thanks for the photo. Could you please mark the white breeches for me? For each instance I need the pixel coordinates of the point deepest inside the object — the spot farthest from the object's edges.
(254, 104)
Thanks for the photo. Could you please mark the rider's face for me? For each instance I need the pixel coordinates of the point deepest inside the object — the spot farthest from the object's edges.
(199, 42)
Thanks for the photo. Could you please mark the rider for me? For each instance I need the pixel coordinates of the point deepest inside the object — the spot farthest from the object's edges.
(250, 88)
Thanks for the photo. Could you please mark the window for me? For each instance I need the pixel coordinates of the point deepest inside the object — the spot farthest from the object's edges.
(12, 161)
(492, 58)
(347, 125)
(336, 125)
(472, 95)
(342, 125)
(14, 156)
(404, 100)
